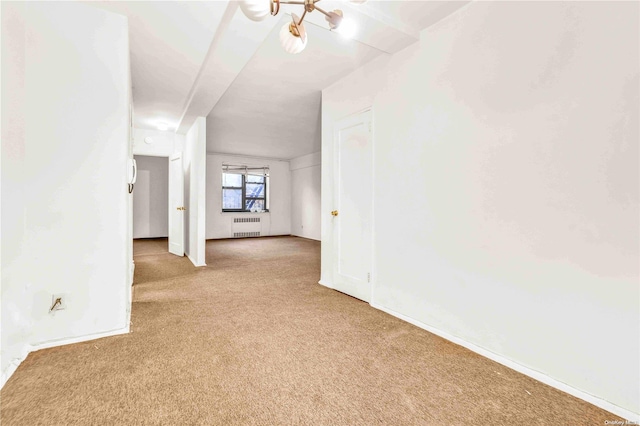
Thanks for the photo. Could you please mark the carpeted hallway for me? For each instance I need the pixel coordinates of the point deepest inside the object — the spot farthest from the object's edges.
(253, 339)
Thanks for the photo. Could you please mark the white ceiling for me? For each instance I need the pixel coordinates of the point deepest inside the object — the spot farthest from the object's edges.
(191, 59)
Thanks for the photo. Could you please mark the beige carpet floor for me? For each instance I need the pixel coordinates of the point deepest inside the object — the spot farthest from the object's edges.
(252, 339)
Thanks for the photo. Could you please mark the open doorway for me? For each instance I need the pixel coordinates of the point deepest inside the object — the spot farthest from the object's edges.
(151, 204)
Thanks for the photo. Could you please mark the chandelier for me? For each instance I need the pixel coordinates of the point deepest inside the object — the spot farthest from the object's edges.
(293, 35)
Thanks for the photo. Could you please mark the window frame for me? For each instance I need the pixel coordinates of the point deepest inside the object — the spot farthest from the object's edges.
(243, 189)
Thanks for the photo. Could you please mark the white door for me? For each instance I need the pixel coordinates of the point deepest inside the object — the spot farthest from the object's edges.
(176, 205)
(353, 202)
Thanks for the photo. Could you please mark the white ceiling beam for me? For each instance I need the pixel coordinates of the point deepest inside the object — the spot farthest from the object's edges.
(237, 39)
(235, 42)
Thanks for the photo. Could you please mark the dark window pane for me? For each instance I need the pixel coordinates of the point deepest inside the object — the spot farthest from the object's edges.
(255, 190)
(232, 199)
(231, 179)
(255, 205)
(255, 179)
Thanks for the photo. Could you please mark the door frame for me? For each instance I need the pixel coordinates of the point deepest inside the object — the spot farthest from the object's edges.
(168, 157)
(338, 125)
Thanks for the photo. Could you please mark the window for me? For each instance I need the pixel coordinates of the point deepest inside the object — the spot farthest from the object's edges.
(244, 192)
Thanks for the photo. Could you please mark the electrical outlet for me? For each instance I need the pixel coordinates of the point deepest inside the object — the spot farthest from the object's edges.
(58, 302)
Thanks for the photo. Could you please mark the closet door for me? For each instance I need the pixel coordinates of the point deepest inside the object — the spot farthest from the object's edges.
(353, 202)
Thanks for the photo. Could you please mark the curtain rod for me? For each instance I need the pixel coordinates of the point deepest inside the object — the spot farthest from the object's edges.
(243, 168)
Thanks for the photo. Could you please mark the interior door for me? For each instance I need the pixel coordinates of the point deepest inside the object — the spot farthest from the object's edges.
(176, 205)
(353, 202)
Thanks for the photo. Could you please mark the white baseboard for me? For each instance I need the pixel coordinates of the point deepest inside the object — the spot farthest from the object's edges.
(70, 340)
(52, 343)
(630, 416)
(305, 237)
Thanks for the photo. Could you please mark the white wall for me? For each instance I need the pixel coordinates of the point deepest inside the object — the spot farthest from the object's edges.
(506, 187)
(65, 142)
(194, 163)
(151, 198)
(162, 144)
(305, 195)
(275, 222)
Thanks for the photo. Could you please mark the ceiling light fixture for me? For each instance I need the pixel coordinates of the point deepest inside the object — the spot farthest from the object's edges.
(293, 35)
(347, 29)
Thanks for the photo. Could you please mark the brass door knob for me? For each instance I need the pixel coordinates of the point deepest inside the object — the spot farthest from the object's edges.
(334, 213)
(181, 208)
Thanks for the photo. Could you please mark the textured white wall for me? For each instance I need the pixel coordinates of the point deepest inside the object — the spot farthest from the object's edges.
(151, 198)
(65, 205)
(305, 195)
(276, 222)
(506, 186)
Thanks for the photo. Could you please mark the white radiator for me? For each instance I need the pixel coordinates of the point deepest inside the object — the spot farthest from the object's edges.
(245, 234)
(246, 227)
(246, 219)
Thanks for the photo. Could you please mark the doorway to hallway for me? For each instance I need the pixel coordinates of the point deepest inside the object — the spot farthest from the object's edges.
(151, 198)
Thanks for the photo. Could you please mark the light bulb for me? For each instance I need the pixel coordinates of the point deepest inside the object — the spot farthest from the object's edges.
(334, 18)
(347, 28)
(290, 42)
(256, 10)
